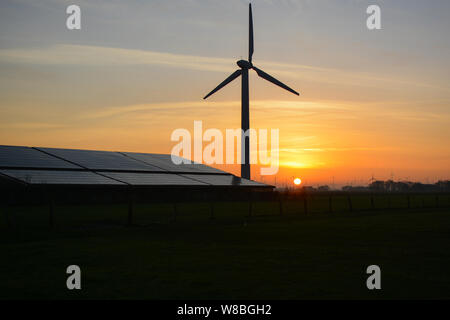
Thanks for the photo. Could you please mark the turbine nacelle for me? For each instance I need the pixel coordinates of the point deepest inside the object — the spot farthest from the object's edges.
(244, 64)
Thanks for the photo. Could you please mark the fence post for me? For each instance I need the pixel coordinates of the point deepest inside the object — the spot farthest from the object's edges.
(350, 206)
(51, 212)
(48, 197)
(389, 201)
(330, 203)
(175, 211)
(211, 207)
(130, 207)
(437, 201)
(372, 203)
(305, 203)
(409, 201)
(280, 202)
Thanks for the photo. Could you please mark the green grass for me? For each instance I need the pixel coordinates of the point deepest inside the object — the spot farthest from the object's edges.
(294, 256)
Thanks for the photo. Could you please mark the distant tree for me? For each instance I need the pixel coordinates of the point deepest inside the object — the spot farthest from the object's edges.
(377, 186)
(443, 185)
(355, 188)
(389, 186)
(402, 186)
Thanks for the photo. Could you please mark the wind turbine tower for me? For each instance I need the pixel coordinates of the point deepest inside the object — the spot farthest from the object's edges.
(245, 66)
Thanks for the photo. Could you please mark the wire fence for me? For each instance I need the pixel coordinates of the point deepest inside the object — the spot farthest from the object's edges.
(54, 215)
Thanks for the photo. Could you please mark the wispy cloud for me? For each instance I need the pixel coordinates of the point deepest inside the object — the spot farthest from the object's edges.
(260, 105)
(109, 56)
(32, 125)
(106, 56)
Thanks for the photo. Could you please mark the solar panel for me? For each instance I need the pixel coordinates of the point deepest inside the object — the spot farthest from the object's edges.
(59, 177)
(223, 180)
(164, 161)
(101, 160)
(153, 179)
(16, 157)
(88, 167)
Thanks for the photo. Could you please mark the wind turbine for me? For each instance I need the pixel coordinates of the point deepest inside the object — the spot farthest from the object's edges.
(245, 121)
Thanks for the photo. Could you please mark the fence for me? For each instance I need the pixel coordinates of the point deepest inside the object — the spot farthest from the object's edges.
(132, 212)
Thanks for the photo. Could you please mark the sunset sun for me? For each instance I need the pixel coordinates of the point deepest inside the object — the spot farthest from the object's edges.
(297, 181)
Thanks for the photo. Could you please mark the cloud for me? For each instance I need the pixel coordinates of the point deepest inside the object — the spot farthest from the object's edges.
(170, 107)
(84, 55)
(33, 125)
(106, 56)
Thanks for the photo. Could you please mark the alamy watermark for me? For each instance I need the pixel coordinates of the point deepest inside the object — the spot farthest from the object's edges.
(228, 149)
(374, 280)
(74, 280)
(373, 22)
(73, 21)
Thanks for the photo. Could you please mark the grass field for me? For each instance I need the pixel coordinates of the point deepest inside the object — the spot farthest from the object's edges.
(266, 256)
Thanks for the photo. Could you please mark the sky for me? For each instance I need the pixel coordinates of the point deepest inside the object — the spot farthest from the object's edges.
(373, 103)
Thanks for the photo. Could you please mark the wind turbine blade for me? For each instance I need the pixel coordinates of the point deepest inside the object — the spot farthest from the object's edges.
(250, 34)
(233, 76)
(268, 77)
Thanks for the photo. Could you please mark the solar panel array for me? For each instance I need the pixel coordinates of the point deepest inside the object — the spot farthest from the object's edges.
(52, 166)
(164, 161)
(152, 179)
(61, 177)
(221, 180)
(16, 157)
(100, 160)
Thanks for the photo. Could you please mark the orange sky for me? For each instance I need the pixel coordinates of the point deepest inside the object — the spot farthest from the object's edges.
(319, 141)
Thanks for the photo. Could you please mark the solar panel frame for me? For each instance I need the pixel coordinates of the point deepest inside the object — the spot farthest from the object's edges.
(164, 161)
(59, 177)
(153, 179)
(224, 180)
(25, 157)
(101, 160)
